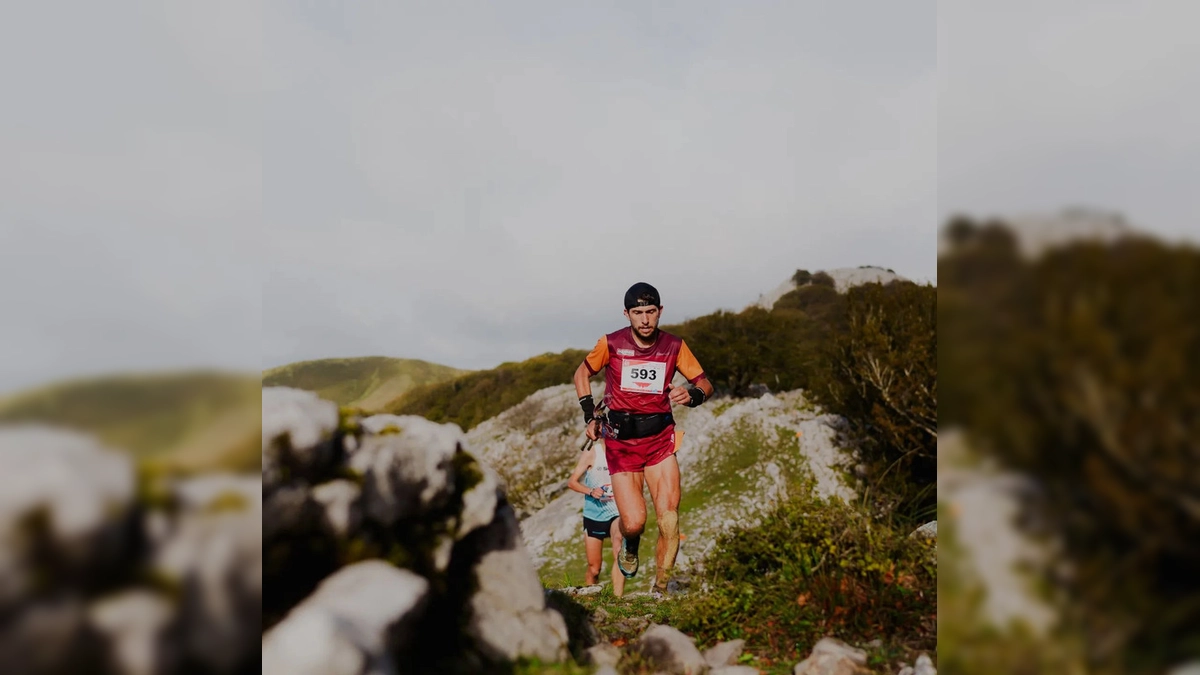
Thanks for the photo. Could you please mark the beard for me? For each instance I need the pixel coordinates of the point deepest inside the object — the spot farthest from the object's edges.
(651, 337)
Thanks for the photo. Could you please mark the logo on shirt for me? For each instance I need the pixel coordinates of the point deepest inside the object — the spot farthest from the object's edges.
(625, 352)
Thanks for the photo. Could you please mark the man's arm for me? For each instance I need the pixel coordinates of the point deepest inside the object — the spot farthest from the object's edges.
(591, 365)
(690, 368)
(684, 396)
(583, 384)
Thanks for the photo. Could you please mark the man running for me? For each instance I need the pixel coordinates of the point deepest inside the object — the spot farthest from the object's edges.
(639, 363)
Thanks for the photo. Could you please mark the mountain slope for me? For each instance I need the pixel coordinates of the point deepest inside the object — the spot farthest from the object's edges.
(368, 382)
(190, 420)
(738, 457)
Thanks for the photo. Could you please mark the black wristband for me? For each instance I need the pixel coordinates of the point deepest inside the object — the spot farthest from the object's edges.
(697, 396)
(589, 408)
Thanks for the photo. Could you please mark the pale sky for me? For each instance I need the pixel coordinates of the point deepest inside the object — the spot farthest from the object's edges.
(240, 185)
(130, 188)
(1046, 104)
(471, 183)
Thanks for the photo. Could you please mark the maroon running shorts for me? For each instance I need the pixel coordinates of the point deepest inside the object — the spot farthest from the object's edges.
(638, 453)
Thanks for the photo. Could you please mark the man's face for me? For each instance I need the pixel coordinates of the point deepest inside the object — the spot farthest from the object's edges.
(644, 320)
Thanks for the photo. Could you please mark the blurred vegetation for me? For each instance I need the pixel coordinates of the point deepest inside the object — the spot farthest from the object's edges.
(367, 383)
(969, 643)
(187, 421)
(1079, 369)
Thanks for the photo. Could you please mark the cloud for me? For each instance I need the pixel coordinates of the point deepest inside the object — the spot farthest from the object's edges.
(130, 190)
(483, 186)
(1089, 104)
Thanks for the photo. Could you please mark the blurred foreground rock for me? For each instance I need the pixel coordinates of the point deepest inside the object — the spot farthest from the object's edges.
(389, 548)
(103, 570)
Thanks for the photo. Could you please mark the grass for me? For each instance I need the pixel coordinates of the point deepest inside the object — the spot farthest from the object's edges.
(369, 382)
(721, 406)
(810, 567)
(716, 486)
(817, 567)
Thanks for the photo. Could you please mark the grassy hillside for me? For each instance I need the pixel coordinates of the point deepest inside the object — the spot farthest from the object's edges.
(785, 348)
(714, 490)
(737, 349)
(812, 566)
(369, 383)
(475, 397)
(189, 420)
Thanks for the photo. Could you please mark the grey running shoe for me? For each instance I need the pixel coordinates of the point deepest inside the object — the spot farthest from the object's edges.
(627, 562)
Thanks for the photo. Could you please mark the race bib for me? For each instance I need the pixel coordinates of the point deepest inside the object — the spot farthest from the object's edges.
(646, 377)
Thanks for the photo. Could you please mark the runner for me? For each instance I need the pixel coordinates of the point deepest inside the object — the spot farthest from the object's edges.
(639, 362)
(599, 513)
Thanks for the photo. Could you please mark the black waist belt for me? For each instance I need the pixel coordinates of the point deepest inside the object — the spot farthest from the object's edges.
(632, 425)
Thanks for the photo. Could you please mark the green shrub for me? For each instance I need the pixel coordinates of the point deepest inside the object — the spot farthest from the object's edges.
(748, 347)
(823, 279)
(478, 396)
(816, 567)
(881, 375)
(823, 305)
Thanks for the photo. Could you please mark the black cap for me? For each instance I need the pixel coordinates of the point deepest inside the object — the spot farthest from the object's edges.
(642, 294)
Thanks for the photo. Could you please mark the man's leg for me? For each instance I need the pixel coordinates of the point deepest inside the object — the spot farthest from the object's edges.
(631, 504)
(663, 480)
(618, 579)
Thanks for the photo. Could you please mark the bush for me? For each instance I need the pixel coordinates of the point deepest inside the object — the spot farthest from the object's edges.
(882, 377)
(801, 277)
(823, 279)
(816, 567)
(823, 305)
(1090, 356)
(752, 346)
(478, 396)
(960, 230)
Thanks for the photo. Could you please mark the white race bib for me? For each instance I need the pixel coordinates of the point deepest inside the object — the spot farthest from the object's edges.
(646, 377)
